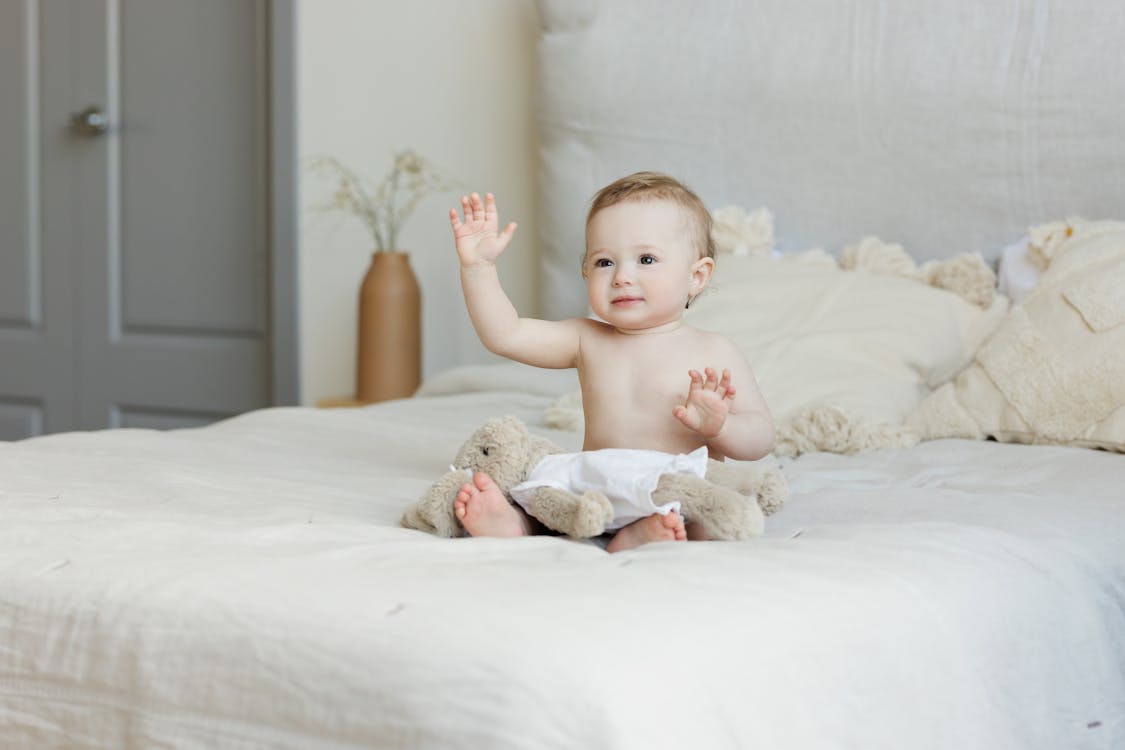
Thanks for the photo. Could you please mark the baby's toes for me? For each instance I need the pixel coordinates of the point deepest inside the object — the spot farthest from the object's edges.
(672, 521)
(461, 503)
(482, 482)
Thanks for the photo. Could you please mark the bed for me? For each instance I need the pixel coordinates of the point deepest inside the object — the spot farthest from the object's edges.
(248, 584)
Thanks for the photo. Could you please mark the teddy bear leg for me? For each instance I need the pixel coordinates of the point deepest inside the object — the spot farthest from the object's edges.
(718, 512)
(772, 489)
(761, 480)
(434, 512)
(580, 516)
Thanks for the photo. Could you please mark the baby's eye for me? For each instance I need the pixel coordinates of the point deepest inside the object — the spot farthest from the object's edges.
(648, 260)
(603, 263)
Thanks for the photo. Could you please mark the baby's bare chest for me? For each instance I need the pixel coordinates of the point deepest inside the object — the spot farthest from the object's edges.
(632, 384)
(649, 383)
(635, 384)
(631, 406)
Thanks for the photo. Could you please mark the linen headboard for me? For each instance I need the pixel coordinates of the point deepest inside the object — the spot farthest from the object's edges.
(944, 125)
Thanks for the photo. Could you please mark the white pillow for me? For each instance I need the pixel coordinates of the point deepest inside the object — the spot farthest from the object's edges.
(873, 344)
(1055, 370)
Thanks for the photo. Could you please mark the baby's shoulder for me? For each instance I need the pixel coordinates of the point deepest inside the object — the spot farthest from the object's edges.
(717, 348)
(712, 340)
(591, 328)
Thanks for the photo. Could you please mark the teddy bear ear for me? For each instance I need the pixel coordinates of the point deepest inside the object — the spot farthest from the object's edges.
(512, 422)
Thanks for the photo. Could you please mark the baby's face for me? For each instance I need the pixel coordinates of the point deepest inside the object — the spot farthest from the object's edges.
(640, 265)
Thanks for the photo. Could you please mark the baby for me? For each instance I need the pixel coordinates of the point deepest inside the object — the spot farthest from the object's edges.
(648, 255)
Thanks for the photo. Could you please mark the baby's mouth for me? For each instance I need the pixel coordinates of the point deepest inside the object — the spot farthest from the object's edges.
(626, 301)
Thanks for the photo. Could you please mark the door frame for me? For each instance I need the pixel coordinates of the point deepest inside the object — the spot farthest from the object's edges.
(283, 205)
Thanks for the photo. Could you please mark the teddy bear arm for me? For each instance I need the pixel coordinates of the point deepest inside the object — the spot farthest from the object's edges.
(433, 512)
(580, 516)
(761, 480)
(722, 513)
(772, 490)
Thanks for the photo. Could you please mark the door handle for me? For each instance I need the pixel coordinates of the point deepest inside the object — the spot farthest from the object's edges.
(90, 121)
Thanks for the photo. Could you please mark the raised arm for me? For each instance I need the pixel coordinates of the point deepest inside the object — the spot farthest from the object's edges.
(500, 328)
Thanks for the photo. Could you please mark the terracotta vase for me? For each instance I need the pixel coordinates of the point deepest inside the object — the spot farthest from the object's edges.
(389, 354)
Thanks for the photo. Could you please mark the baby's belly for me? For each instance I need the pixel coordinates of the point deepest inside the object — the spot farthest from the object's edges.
(630, 431)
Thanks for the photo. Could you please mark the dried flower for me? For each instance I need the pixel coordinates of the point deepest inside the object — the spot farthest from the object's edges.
(385, 207)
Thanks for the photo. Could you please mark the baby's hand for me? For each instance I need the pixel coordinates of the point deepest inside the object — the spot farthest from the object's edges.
(478, 242)
(708, 403)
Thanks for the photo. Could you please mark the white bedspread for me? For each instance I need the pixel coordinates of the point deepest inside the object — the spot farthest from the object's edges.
(247, 585)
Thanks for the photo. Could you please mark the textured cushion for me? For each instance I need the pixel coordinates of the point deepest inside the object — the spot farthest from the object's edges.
(949, 126)
(1055, 370)
(873, 344)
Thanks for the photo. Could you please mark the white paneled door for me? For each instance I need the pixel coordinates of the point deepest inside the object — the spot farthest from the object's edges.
(135, 232)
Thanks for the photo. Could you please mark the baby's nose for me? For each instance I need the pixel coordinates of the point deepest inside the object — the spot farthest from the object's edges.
(621, 277)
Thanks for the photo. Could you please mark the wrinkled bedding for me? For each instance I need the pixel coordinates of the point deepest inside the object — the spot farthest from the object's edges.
(247, 585)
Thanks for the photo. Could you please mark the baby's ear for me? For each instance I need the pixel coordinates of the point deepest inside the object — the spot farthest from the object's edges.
(701, 271)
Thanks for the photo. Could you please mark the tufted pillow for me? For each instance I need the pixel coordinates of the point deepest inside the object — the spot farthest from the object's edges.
(1055, 370)
(872, 344)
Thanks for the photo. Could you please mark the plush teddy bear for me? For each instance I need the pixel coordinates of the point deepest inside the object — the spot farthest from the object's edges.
(729, 503)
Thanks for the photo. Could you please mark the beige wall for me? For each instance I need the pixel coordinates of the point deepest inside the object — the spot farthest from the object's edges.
(452, 80)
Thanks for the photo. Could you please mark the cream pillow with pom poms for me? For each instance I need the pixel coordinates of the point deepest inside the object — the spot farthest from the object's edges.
(739, 233)
(1054, 372)
(872, 344)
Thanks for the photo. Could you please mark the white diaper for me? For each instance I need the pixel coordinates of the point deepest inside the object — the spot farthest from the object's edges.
(626, 477)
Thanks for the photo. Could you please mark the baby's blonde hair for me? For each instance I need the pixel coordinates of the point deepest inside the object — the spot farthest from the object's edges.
(642, 186)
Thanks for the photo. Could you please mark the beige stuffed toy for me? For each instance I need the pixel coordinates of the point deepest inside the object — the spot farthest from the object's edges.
(729, 503)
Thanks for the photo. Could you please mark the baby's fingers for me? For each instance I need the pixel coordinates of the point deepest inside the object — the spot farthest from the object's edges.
(696, 381)
(712, 381)
(724, 385)
(466, 209)
(506, 236)
(681, 413)
(478, 207)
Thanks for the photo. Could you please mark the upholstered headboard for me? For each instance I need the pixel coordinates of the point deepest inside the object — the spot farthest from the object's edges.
(944, 125)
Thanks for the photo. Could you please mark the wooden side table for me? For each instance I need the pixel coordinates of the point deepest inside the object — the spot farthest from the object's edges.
(340, 402)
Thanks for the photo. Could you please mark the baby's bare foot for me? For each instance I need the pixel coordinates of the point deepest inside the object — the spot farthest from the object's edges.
(655, 528)
(484, 511)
